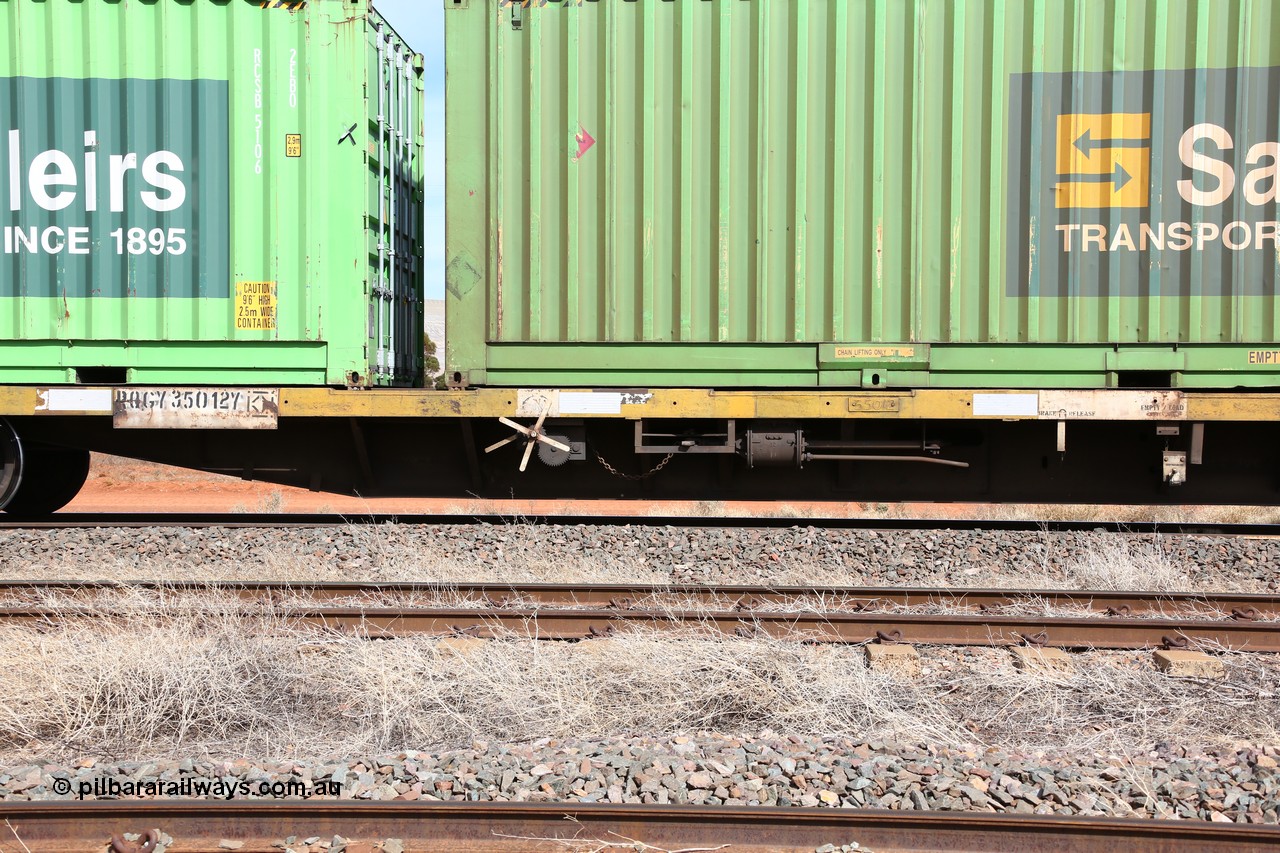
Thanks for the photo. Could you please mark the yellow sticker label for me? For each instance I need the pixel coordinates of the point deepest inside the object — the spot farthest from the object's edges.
(255, 306)
(1264, 356)
(293, 145)
(875, 352)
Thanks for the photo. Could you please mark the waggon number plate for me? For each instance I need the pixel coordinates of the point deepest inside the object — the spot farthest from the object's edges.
(195, 408)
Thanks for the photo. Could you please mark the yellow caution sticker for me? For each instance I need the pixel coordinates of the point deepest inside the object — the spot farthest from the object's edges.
(293, 145)
(255, 306)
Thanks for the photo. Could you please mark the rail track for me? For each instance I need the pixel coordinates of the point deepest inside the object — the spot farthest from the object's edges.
(503, 827)
(835, 615)
(308, 520)
(723, 596)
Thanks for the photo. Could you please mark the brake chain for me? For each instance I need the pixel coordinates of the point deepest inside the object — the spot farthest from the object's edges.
(615, 472)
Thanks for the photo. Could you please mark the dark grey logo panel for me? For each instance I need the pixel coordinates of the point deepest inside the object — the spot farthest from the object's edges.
(121, 191)
(1157, 183)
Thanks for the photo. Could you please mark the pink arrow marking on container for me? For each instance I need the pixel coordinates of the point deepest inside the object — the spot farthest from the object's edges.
(584, 140)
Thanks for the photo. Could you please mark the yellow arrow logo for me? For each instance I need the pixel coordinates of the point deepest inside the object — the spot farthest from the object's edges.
(1103, 160)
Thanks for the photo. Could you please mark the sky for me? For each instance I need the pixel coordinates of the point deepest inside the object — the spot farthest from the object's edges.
(421, 24)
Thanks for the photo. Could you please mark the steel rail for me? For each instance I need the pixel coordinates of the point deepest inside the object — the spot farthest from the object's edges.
(832, 627)
(504, 827)
(985, 630)
(725, 597)
(308, 520)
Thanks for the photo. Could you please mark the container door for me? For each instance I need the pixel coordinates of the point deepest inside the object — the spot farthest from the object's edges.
(395, 304)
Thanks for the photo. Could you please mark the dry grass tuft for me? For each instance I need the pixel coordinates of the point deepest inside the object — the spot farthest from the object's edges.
(1147, 564)
(272, 503)
(584, 843)
(185, 675)
(172, 676)
(1122, 564)
(1118, 702)
(514, 689)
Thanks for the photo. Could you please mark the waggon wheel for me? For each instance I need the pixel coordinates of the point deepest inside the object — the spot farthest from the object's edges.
(10, 463)
(38, 479)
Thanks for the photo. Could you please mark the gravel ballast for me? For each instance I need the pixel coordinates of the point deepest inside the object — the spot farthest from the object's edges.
(1126, 740)
(610, 553)
(768, 769)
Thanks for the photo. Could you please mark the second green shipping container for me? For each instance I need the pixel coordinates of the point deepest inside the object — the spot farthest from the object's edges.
(873, 193)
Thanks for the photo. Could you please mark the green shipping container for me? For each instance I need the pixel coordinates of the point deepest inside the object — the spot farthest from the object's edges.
(209, 192)
(1001, 193)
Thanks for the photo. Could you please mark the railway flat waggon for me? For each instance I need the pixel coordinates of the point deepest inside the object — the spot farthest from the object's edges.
(872, 249)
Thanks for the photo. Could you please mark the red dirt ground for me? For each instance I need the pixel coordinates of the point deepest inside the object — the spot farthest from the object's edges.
(124, 485)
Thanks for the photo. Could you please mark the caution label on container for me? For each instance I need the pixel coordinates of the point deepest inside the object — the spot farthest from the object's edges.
(255, 306)
(293, 145)
(874, 353)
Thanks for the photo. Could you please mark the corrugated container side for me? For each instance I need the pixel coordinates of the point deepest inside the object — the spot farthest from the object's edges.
(238, 140)
(855, 172)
